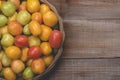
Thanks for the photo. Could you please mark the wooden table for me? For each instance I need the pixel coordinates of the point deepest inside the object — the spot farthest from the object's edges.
(92, 44)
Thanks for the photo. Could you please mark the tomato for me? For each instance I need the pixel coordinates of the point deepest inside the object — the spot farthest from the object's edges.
(9, 74)
(35, 28)
(46, 31)
(17, 66)
(28, 73)
(16, 3)
(13, 52)
(21, 41)
(23, 6)
(55, 39)
(26, 30)
(34, 41)
(23, 17)
(48, 60)
(15, 28)
(37, 16)
(13, 18)
(3, 20)
(4, 30)
(7, 40)
(44, 8)
(6, 61)
(50, 19)
(46, 48)
(38, 66)
(29, 62)
(8, 8)
(33, 5)
(34, 52)
(24, 56)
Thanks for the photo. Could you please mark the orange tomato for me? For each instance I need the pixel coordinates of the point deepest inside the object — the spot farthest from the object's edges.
(50, 19)
(13, 52)
(44, 8)
(17, 66)
(46, 31)
(46, 48)
(23, 6)
(37, 17)
(24, 56)
(35, 28)
(9, 74)
(38, 66)
(15, 28)
(33, 5)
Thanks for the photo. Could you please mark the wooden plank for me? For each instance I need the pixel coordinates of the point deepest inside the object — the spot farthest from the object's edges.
(88, 9)
(86, 69)
(92, 39)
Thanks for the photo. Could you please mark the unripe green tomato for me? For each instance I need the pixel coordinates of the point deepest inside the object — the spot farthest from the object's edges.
(3, 20)
(6, 61)
(23, 17)
(34, 41)
(26, 30)
(28, 74)
(8, 8)
(7, 40)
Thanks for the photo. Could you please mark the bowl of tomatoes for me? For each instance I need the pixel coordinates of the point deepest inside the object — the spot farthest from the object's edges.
(31, 39)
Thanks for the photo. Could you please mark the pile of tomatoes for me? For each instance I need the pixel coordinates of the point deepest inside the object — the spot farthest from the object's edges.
(28, 38)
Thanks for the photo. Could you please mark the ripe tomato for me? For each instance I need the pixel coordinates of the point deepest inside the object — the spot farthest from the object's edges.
(37, 16)
(46, 48)
(16, 3)
(35, 28)
(15, 28)
(38, 66)
(23, 6)
(13, 52)
(33, 5)
(55, 39)
(46, 31)
(34, 52)
(21, 41)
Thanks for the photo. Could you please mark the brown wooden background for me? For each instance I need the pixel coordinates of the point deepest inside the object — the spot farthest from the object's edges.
(92, 45)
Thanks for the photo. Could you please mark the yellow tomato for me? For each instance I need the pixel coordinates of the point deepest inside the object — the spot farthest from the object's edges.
(44, 8)
(33, 5)
(24, 56)
(35, 28)
(50, 18)
(9, 74)
(46, 31)
(48, 60)
(46, 48)
(4, 30)
(13, 52)
(37, 16)
(12, 18)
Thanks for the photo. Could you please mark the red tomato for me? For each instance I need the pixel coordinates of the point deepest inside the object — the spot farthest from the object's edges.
(21, 41)
(34, 52)
(55, 39)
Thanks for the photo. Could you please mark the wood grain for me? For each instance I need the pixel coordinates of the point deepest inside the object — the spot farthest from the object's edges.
(92, 44)
(87, 69)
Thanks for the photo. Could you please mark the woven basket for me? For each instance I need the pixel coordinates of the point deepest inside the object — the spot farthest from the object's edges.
(59, 52)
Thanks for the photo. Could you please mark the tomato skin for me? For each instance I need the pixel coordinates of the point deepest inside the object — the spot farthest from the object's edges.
(15, 28)
(34, 52)
(55, 39)
(21, 41)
